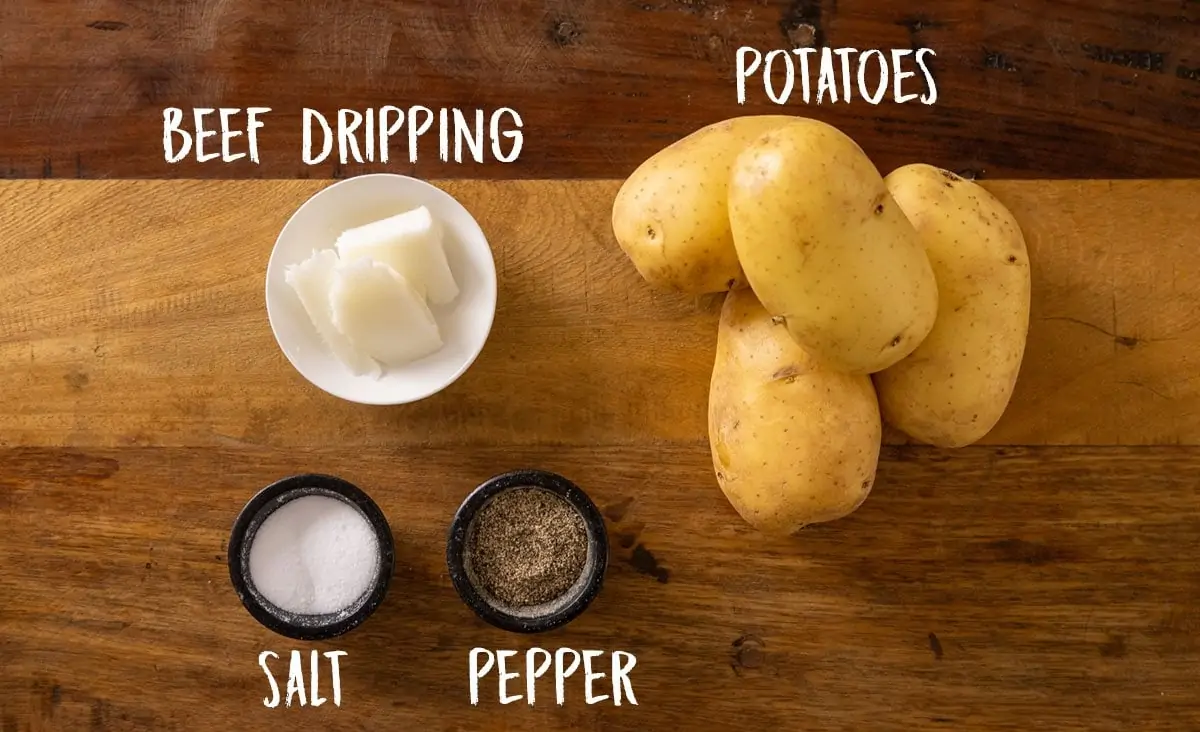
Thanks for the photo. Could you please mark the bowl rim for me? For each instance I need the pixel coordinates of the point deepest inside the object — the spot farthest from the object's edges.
(258, 508)
(492, 280)
(456, 543)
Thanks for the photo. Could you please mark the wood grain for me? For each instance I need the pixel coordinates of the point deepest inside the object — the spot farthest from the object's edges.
(143, 401)
(1027, 88)
(989, 589)
(131, 313)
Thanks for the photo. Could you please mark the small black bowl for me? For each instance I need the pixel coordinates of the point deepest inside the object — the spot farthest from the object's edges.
(292, 625)
(551, 615)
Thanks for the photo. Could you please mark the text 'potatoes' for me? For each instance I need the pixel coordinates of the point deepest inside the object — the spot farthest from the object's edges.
(871, 75)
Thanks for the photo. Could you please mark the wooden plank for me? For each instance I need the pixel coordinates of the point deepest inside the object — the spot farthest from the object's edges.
(988, 588)
(132, 313)
(1032, 88)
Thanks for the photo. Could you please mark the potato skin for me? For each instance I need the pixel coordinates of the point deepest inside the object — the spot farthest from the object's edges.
(825, 247)
(954, 388)
(670, 216)
(792, 443)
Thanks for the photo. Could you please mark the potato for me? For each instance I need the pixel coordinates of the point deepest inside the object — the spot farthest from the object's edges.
(792, 443)
(826, 248)
(955, 386)
(671, 217)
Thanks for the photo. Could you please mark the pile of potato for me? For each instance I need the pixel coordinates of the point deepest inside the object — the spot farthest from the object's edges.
(903, 299)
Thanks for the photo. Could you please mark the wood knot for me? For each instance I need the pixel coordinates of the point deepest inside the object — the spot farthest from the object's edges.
(644, 562)
(935, 645)
(747, 652)
(107, 25)
(564, 33)
(803, 35)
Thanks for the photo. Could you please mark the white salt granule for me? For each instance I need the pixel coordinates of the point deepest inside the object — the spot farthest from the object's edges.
(314, 555)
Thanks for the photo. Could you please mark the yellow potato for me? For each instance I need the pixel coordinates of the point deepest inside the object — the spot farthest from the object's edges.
(792, 443)
(826, 248)
(953, 389)
(671, 216)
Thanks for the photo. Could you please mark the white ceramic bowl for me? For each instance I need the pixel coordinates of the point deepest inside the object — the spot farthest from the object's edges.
(464, 323)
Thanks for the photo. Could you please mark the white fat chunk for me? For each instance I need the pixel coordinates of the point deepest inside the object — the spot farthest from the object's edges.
(381, 313)
(311, 280)
(410, 243)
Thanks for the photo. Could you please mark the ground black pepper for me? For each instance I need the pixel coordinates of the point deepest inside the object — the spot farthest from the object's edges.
(527, 547)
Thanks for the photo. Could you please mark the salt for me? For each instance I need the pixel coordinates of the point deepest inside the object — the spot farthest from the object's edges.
(314, 555)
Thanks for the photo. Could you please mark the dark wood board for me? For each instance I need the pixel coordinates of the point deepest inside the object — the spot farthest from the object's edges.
(1027, 88)
(984, 589)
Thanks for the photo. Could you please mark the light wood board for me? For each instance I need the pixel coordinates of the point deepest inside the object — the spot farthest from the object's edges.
(1045, 579)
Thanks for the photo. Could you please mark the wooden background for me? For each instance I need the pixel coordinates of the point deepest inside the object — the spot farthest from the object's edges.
(1047, 578)
(1027, 88)
(143, 401)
